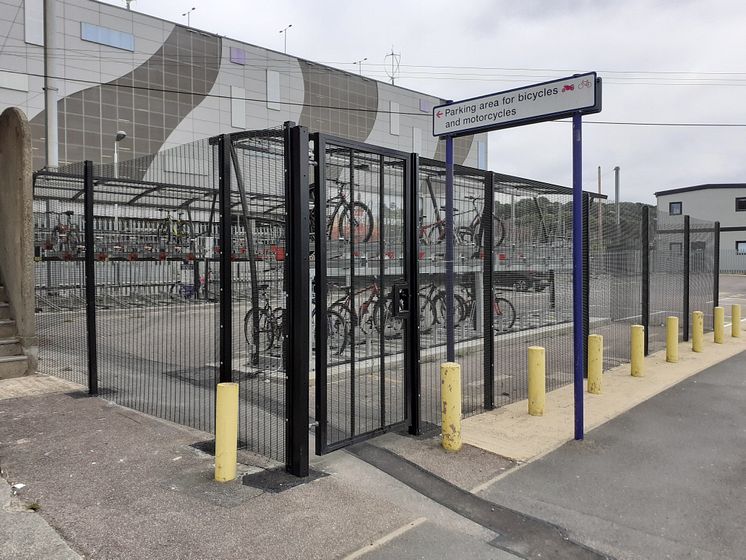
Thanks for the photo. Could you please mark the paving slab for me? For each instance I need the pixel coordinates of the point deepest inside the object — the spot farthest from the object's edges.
(510, 432)
(665, 480)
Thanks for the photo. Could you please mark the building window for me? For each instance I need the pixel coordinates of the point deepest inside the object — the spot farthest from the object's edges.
(238, 56)
(394, 118)
(34, 22)
(674, 208)
(106, 36)
(741, 204)
(676, 248)
(273, 90)
(741, 247)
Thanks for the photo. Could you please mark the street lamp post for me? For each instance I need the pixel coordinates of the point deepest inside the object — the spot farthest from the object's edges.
(285, 32)
(188, 13)
(360, 65)
(121, 135)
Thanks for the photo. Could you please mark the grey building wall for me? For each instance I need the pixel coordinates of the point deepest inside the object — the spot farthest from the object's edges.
(180, 84)
(714, 203)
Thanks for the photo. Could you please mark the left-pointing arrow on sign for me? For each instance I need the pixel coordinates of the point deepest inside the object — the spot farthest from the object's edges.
(439, 114)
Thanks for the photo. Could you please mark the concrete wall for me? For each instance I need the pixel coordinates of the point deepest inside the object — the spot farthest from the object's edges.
(16, 226)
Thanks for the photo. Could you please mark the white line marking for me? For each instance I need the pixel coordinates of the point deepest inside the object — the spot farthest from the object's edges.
(386, 538)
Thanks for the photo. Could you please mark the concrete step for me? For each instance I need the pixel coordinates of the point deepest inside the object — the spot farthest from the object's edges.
(10, 346)
(7, 328)
(13, 366)
(4, 311)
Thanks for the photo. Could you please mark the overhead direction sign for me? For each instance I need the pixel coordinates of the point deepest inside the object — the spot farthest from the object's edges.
(532, 104)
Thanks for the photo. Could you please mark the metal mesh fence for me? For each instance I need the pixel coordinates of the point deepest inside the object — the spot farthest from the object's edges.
(258, 228)
(60, 281)
(532, 280)
(469, 187)
(157, 273)
(701, 263)
(615, 275)
(158, 256)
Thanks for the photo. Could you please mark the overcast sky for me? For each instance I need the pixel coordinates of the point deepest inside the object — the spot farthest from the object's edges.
(665, 61)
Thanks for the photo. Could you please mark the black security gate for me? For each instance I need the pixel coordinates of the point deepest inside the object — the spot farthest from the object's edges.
(364, 273)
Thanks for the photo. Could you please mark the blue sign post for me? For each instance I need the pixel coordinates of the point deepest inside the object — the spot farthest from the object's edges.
(567, 97)
(577, 271)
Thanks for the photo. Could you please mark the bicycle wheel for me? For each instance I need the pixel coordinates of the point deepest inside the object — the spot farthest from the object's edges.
(427, 313)
(264, 335)
(498, 230)
(164, 230)
(337, 332)
(360, 226)
(439, 306)
(393, 327)
(504, 315)
(176, 291)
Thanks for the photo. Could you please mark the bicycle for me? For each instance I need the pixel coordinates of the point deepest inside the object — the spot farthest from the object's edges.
(174, 230)
(337, 329)
(368, 315)
(353, 219)
(65, 236)
(435, 232)
(261, 332)
(503, 311)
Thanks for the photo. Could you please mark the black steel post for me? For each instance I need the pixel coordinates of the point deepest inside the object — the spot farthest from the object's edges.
(488, 241)
(645, 277)
(90, 279)
(412, 251)
(320, 291)
(716, 268)
(685, 306)
(295, 325)
(586, 277)
(226, 272)
(552, 291)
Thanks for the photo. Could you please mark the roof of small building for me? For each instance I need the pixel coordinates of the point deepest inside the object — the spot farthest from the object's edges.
(707, 186)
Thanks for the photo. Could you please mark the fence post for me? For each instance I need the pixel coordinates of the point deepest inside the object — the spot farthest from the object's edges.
(645, 280)
(685, 308)
(412, 253)
(225, 336)
(90, 278)
(586, 276)
(296, 327)
(488, 240)
(716, 267)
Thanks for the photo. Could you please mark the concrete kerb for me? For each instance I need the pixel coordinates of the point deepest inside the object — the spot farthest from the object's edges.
(510, 432)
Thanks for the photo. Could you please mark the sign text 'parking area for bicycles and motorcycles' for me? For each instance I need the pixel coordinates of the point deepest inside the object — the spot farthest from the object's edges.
(554, 99)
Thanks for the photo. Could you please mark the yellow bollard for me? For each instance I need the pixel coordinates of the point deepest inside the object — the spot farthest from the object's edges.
(698, 324)
(536, 381)
(735, 317)
(637, 350)
(718, 319)
(450, 395)
(226, 431)
(672, 339)
(595, 363)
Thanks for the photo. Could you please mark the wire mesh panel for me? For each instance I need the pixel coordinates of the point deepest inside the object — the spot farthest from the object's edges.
(155, 301)
(470, 232)
(259, 233)
(532, 283)
(359, 264)
(666, 275)
(701, 263)
(59, 230)
(157, 267)
(615, 286)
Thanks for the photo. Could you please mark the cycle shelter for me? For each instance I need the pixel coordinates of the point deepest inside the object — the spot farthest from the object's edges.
(364, 273)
